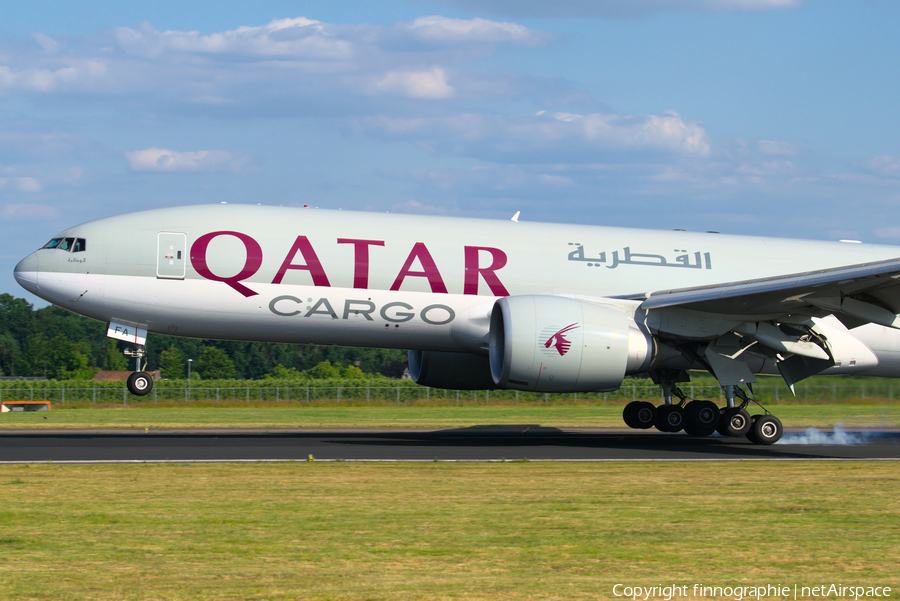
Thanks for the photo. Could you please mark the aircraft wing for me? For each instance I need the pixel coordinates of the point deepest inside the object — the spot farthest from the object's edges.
(856, 294)
(773, 318)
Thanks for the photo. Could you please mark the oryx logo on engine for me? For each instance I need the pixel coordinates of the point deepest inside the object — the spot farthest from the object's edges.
(560, 342)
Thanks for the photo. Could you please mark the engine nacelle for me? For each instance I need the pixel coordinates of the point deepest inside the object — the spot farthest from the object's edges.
(561, 344)
(457, 371)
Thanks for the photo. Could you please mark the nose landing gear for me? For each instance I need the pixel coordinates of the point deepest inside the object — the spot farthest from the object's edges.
(139, 383)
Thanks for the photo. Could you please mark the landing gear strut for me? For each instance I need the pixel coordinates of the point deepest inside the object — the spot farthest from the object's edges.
(759, 429)
(734, 421)
(669, 415)
(139, 383)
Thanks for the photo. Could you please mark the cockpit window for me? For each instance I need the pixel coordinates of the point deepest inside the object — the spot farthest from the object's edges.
(75, 245)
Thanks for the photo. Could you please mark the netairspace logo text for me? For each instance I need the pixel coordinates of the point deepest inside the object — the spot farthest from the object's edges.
(740, 593)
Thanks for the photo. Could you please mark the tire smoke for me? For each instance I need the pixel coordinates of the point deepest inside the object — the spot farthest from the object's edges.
(838, 437)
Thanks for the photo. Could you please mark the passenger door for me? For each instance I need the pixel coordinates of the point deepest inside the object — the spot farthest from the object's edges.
(170, 256)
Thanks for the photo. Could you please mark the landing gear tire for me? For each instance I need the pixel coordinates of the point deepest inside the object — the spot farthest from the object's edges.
(701, 418)
(751, 435)
(140, 383)
(669, 418)
(734, 422)
(720, 427)
(639, 415)
(628, 414)
(767, 429)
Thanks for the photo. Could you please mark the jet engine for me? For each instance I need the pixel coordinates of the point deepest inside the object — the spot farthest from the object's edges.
(562, 344)
(458, 371)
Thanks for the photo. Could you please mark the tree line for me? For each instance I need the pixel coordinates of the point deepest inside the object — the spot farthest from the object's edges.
(54, 343)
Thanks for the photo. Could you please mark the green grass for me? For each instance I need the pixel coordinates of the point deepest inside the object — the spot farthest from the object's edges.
(440, 531)
(854, 415)
(386, 392)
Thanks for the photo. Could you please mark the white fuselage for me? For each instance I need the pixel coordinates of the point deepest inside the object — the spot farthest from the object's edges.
(385, 280)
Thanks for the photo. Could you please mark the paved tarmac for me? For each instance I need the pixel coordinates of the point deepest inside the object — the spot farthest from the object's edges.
(490, 443)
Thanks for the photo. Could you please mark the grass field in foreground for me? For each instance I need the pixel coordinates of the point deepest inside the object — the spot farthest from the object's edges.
(441, 531)
(875, 415)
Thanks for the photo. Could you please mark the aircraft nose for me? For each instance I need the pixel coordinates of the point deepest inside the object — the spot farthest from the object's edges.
(26, 273)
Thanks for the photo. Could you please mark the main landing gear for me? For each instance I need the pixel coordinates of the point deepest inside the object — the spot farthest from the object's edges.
(139, 382)
(702, 418)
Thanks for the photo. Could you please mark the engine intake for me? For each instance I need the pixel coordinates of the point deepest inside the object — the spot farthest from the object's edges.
(560, 344)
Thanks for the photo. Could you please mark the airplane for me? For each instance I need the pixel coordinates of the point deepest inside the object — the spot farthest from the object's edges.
(493, 304)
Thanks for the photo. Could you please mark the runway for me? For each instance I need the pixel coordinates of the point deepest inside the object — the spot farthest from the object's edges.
(491, 443)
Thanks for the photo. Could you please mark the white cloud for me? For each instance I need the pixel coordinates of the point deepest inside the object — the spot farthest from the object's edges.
(307, 39)
(444, 29)
(615, 9)
(724, 174)
(28, 184)
(164, 160)
(545, 137)
(76, 73)
(556, 180)
(22, 184)
(779, 148)
(765, 168)
(666, 131)
(296, 38)
(49, 45)
(885, 164)
(415, 84)
(415, 207)
(709, 188)
(738, 4)
(73, 175)
(294, 63)
(29, 212)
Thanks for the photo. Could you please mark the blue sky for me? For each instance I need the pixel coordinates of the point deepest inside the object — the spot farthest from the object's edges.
(764, 117)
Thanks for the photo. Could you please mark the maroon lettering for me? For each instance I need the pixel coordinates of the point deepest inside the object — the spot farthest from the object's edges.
(429, 269)
(251, 265)
(498, 261)
(313, 265)
(360, 259)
